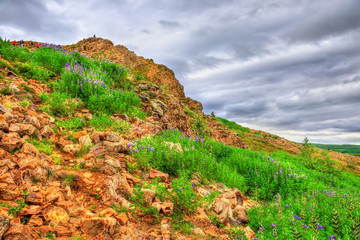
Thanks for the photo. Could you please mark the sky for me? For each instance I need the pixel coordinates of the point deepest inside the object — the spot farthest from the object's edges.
(289, 67)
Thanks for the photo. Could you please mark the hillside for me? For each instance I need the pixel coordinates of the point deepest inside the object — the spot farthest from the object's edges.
(347, 149)
(98, 143)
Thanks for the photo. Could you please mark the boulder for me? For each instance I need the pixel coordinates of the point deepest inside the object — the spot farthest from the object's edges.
(19, 231)
(10, 142)
(33, 121)
(114, 146)
(112, 137)
(148, 195)
(72, 148)
(4, 225)
(47, 132)
(156, 173)
(57, 215)
(239, 213)
(85, 140)
(95, 226)
(167, 208)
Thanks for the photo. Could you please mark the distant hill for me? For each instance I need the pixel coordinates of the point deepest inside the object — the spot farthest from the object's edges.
(347, 149)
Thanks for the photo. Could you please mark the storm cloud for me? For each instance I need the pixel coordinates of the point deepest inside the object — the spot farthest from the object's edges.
(290, 67)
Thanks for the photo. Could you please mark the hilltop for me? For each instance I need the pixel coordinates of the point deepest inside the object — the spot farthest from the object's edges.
(99, 143)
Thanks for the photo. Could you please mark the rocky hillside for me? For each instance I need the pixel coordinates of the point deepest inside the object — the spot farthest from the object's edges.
(66, 166)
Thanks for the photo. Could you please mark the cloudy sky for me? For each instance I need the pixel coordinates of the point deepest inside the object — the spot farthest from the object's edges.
(290, 67)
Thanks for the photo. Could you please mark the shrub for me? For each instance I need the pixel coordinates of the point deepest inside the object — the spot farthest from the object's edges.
(60, 104)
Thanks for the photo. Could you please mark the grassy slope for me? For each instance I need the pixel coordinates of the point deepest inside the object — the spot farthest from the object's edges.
(347, 149)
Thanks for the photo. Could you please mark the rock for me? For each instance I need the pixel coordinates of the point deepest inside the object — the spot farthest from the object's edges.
(198, 231)
(97, 137)
(57, 215)
(47, 132)
(249, 233)
(4, 225)
(156, 173)
(96, 226)
(113, 162)
(114, 146)
(3, 123)
(159, 107)
(148, 195)
(10, 142)
(35, 220)
(85, 140)
(157, 205)
(72, 148)
(201, 217)
(22, 129)
(14, 89)
(108, 170)
(35, 198)
(221, 209)
(30, 149)
(167, 208)
(33, 121)
(212, 231)
(112, 137)
(239, 213)
(118, 185)
(122, 218)
(19, 231)
(4, 109)
(97, 150)
(77, 135)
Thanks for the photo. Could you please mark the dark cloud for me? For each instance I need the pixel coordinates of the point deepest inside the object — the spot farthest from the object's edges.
(290, 67)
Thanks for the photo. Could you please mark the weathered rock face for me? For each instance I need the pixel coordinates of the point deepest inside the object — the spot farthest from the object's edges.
(4, 225)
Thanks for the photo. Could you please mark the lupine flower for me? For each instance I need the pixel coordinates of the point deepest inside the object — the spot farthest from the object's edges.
(321, 227)
(297, 217)
(273, 225)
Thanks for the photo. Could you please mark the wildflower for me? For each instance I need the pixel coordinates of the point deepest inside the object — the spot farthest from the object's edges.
(273, 225)
(287, 206)
(310, 208)
(324, 191)
(136, 150)
(297, 217)
(305, 226)
(152, 149)
(321, 227)
(303, 175)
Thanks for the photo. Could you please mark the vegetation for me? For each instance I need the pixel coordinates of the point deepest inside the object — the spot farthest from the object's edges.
(347, 149)
(280, 180)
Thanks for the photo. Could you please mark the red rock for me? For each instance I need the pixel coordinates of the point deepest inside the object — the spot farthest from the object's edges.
(35, 220)
(11, 142)
(47, 132)
(122, 218)
(72, 148)
(19, 231)
(167, 208)
(85, 140)
(79, 134)
(156, 173)
(239, 213)
(4, 225)
(33, 121)
(35, 198)
(148, 195)
(57, 215)
(97, 136)
(114, 146)
(95, 226)
(30, 149)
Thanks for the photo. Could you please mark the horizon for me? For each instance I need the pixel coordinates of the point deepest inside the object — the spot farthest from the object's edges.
(271, 66)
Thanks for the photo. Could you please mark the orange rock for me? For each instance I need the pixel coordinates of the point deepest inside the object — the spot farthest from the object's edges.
(212, 231)
(156, 173)
(79, 134)
(122, 218)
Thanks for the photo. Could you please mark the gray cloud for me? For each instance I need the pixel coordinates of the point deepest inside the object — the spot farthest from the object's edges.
(290, 67)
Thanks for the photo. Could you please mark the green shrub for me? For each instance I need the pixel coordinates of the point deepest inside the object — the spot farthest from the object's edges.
(183, 195)
(44, 146)
(24, 103)
(60, 104)
(74, 124)
(103, 122)
(5, 91)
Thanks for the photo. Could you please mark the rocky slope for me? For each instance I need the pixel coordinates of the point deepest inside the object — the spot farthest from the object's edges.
(79, 184)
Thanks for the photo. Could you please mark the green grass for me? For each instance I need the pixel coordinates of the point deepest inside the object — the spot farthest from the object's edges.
(347, 149)
(266, 178)
(44, 146)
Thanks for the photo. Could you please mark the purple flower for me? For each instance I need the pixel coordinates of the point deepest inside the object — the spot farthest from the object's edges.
(287, 206)
(297, 217)
(321, 227)
(273, 225)
(305, 226)
(152, 149)
(136, 150)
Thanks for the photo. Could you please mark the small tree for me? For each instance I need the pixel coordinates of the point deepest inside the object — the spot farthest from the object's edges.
(213, 115)
(306, 153)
